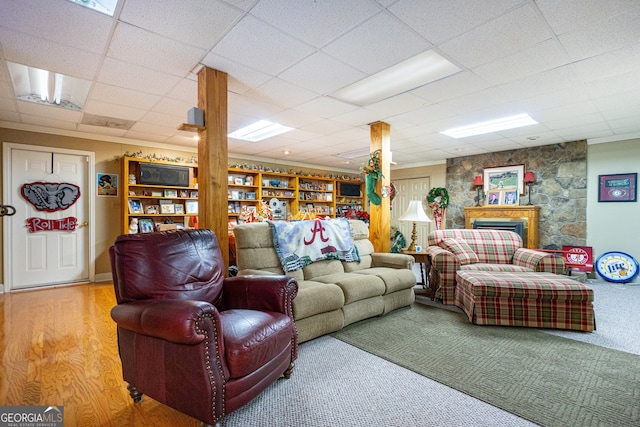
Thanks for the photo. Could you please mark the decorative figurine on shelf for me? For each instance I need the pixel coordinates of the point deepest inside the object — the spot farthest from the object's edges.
(133, 226)
(132, 179)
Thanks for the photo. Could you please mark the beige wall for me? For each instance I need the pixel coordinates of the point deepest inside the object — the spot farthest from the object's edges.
(612, 226)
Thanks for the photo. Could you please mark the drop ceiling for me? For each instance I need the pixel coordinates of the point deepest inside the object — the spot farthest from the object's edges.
(572, 65)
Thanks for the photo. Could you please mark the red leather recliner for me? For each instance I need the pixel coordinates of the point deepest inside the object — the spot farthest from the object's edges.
(190, 338)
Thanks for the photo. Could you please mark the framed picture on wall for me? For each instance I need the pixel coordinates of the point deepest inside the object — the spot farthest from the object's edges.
(620, 187)
(504, 178)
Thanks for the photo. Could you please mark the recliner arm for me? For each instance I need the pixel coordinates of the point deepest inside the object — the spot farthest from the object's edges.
(391, 260)
(263, 293)
(170, 320)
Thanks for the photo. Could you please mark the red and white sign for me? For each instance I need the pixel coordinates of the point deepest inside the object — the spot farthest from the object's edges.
(41, 224)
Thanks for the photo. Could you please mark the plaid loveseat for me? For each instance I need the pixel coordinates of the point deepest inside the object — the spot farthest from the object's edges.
(481, 250)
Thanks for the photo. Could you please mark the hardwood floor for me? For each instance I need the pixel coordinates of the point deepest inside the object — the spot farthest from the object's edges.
(58, 347)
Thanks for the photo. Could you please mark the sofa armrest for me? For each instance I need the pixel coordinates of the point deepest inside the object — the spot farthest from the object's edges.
(538, 261)
(261, 292)
(252, 272)
(392, 260)
(442, 259)
(170, 320)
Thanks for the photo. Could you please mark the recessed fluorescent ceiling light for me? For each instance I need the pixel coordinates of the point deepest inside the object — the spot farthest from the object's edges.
(510, 122)
(424, 68)
(49, 88)
(355, 154)
(259, 130)
(107, 7)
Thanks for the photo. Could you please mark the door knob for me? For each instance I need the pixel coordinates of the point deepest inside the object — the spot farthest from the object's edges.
(7, 210)
(84, 224)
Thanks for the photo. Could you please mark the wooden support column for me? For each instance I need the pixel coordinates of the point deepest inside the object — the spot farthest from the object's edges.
(213, 154)
(380, 216)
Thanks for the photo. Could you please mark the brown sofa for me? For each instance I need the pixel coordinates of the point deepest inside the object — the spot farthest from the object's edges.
(332, 293)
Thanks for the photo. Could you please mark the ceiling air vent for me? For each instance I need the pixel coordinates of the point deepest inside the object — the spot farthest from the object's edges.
(107, 122)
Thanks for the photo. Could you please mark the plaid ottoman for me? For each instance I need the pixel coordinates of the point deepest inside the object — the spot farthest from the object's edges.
(538, 300)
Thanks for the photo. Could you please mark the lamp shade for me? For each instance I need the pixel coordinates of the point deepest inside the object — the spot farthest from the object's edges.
(477, 180)
(529, 177)
(415, 212)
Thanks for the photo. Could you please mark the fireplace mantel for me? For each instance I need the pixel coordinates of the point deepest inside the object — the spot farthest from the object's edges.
(529, 215)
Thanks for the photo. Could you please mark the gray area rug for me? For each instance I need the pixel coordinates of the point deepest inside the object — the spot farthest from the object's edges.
(544, 378)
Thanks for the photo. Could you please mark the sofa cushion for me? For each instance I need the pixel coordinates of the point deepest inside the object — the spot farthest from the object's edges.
(461, 250)
(355, 286)
(316, 298)
(394, 279)
(322, 268)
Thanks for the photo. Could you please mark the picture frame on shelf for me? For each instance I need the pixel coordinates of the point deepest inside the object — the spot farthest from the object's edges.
(239, 181)
(510, 198)
(505, 178)
(494, 198)
(135, 206)
(193, 195)
(156, 193)
(619, 187)
(191, 207)
(171, 193)
(167, 209)
(179, 209)
(184, 194)
(151, 209)
(146, 225)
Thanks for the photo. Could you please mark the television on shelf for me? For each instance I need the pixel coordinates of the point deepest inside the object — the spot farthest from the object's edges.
(349, 189)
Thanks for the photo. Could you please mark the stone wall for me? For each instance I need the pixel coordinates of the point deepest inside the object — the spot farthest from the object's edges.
(560, 189)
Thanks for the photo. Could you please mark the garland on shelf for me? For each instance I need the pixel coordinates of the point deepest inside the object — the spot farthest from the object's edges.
(154, 156)
(438, 199)
(372, 173)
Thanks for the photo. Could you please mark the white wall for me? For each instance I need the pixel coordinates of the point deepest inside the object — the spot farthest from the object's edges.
(612, 226)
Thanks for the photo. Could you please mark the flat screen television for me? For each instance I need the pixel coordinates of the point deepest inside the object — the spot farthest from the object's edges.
(349, 189)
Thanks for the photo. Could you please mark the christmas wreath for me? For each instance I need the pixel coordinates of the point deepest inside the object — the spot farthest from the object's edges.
(438, 198)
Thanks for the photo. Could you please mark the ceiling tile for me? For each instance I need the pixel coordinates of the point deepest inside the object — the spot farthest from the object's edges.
(487, 43)
(120, 96)
(197, 23)
(322, 74)
(47, 55)
(610, 34)
(257, 45)
(59, 21)
(134, 77)
(448, 19)
(368, 49)
(240, 77)
(316, 23)
(568, 15)
(113, 110)
(325, 107)
(280, 92)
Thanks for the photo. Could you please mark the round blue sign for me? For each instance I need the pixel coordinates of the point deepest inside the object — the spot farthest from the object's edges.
(617, 267)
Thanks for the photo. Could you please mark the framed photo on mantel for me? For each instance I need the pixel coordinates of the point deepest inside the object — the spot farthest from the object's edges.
(504, 178)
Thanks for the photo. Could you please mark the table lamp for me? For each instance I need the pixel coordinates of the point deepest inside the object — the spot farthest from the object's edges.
(414, 213)
(529, 178)
(477, 182)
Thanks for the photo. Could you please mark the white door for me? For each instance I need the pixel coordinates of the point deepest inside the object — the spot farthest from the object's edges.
(39, 247)
(407, 190)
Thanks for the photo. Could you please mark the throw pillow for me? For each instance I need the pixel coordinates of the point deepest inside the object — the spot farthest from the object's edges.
(461, 250)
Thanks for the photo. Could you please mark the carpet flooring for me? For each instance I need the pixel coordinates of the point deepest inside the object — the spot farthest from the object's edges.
(544, 378)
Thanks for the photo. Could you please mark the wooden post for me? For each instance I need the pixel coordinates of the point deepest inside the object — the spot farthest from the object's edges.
(380, 215)
(213, 154)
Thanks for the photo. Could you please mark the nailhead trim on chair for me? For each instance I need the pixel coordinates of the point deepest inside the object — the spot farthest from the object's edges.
(208, 365)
